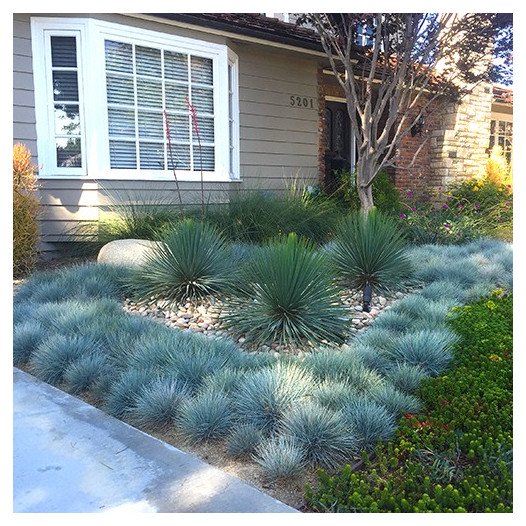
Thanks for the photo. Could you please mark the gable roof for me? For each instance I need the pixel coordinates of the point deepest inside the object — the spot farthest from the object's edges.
(253, 25)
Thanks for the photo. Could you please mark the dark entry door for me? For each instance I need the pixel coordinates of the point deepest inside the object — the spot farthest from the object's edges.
(338, 141)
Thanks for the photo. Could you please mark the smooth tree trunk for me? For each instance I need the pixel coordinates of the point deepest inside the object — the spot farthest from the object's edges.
(365, 173)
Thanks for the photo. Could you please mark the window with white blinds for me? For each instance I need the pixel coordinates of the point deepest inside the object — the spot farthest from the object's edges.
(114, 101)
(148, 86)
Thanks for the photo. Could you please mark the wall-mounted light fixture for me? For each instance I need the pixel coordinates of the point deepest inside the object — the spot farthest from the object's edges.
(418, 126)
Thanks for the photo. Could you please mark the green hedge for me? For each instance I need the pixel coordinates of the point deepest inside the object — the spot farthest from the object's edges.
(456, 456)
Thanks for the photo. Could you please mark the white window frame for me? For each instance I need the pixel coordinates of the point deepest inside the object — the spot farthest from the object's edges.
(233, 62)
(44, 103)
(96, 165)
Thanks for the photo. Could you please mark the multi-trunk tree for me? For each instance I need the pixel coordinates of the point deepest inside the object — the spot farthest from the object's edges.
(396, 68)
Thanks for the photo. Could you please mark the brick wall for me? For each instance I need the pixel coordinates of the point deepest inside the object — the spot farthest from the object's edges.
(452, 146)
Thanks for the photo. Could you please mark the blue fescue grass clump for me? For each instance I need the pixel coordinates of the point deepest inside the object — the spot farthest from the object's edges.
(158, 403)
(429, 349)
(393, 321)
(86, 372)
(443, 289)
(243, 440)
(322, 434)
(225, 380)
(377, 337)
(406, 377)
(334, 395)
(79, 282)
(280, 457)
(341, 366)
(27, 336)
(22, 312)
(203, 358)
(52, 357)
(372, 357)
(395, 401)
(265, 396)
(207, 416)
(123, 393)
(369, 420)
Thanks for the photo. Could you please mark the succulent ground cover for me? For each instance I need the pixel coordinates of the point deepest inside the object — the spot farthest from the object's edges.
(456, 454)
(285, 413)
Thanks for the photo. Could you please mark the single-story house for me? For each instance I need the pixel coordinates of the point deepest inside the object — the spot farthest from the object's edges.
(93, 94)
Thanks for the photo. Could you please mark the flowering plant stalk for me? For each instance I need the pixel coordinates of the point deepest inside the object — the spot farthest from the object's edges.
(195, 125)
(170, 153)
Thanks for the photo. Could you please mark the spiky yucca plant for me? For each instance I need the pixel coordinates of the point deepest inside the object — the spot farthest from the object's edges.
(368, 251)
(192, 263)
(288, 296)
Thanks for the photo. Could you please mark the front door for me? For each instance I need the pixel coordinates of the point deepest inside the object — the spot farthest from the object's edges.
(339, 142)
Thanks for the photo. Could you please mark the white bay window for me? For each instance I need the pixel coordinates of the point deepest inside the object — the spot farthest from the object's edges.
(153, 103)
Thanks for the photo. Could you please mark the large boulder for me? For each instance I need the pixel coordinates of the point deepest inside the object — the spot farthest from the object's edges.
(126, 252)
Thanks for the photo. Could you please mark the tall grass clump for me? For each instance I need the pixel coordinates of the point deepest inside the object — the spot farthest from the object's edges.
(192, 263)
(287, 295)
(265, 396)
(54, 355)
(369, 420)
(369, 249)
(25, 211)
(280, 457)
(429, 349)
(321, 433)
(132, 216)
(258, 216)
(205, 417)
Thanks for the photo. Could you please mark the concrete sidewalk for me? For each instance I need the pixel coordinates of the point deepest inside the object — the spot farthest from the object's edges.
(72, 457)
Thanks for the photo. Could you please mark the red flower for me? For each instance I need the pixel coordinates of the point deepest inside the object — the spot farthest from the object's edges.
(167, 126)
(193, 113)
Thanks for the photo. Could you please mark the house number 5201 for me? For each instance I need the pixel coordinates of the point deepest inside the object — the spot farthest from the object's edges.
(301, 102)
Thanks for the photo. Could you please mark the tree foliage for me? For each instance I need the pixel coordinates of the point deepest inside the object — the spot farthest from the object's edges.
(396, 68)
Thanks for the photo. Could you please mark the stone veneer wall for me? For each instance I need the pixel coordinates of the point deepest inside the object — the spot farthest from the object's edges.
(455, 137)
(459, 145)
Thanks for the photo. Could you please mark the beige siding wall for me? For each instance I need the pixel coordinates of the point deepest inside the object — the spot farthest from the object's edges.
(278, 142)
(23, 98)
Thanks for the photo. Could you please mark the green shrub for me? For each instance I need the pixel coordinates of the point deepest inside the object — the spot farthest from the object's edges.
(454, 456)
(369, 250)
(25, 211)
(386, 196)
(470, 209)
(287, 295)
(192, 263)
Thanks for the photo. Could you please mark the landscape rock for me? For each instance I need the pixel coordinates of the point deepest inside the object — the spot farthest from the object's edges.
(126, 252)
